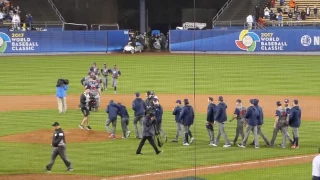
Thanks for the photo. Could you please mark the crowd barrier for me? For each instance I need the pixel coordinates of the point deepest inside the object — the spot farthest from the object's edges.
(64, 41)
(285, 40)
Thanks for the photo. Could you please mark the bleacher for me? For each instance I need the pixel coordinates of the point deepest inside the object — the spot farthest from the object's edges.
(302, 5)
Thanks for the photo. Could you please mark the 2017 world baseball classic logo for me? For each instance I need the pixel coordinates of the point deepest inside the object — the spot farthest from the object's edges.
(247, 41)
(4, 40)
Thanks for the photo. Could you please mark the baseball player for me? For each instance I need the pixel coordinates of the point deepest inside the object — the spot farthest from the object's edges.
(158, 115)
(86, 79)
(210, 120)
(115, 75)
(94, 67)
(251, 117)
(260, 123)
(84, 99)
(280, 123)
(176, 113)
(221, 118)
(149, 101)
(59, 148)
(239, 114)
(187, 118)
(95, 90)
(139, 108)
(112, 110)
(123, 113)
(287, 108)
(105, 73)
(294, 123)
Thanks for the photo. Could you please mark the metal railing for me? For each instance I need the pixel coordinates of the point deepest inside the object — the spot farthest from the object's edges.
(74, 24)
(98, 26)
(56, 10)
(220, 12)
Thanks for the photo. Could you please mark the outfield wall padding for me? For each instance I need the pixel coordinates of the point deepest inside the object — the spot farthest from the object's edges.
(284, 40)
(64, 41)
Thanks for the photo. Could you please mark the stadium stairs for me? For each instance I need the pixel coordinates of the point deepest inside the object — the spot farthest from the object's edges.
(41, 11)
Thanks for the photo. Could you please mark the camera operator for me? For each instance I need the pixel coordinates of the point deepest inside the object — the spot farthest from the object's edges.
(61, 93)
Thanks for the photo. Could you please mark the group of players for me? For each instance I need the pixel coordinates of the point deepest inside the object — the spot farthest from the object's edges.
(252, 117)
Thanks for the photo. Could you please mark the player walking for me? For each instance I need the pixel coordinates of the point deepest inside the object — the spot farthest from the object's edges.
(239, 114)
(139, 108)
(84, 100)
(123, 113)
(105, 73)
(221, 118)
(115, 75)
(176, 113)
(158, 115)
(294, 123)
(210, 120)
(281, 123)
(112, 110)
(186, 118)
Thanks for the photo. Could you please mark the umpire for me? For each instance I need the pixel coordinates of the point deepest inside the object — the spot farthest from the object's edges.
(59, 148)
(148, 133)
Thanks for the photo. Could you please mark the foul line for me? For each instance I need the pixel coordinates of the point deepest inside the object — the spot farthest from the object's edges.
(210, 167)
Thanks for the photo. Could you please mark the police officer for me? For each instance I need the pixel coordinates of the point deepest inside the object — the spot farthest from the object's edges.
(239, 114)
(251, 119)
(59, 148)
(294, 123)
(210, 120)
(186, 118)
(221, 118)
(123, 113)
(148, 132)
(139, 107)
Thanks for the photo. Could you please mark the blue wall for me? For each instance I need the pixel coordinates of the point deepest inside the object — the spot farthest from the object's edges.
(287, 40)
(64, 41)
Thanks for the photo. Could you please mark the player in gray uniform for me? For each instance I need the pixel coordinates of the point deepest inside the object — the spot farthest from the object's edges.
(280, 124)
(105, 72)
(239, 114)
(115, 75)
(287, 107)
(95, 90)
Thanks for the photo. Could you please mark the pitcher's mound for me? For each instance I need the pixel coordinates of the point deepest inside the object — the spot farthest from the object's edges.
(45, 136)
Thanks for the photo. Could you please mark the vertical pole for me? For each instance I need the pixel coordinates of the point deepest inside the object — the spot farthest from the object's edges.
(142, 16)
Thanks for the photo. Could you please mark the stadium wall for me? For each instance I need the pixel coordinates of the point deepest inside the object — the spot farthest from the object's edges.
(64, 41)
(293, 40)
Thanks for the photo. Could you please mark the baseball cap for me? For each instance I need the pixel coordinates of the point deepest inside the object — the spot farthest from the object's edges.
(220, 98)
(186, 101)
(296, 101)
(255, 101)
(251, 101)
(211, 98)
(178, 101)
(55, 124)
(286, 101)
(278, 103)
(238, 100)
(137, 94)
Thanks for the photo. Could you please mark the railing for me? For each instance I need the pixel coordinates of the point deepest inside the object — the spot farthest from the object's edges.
(224, 7)
(56, 10)
(228, 23)
(98, 26)
(74, 24)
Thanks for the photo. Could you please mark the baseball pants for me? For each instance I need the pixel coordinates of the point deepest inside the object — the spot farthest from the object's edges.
(159, 128)
(187, 132)
(223, 133)
(105, 82)
(239, 130)
(179, 131)
(135, 123)
(254, 129)
(114, 126)
(61, 151)
(62, 104)
(295, 132)
(284, 132)
(114, 82)
(124, 126)
(210, 129)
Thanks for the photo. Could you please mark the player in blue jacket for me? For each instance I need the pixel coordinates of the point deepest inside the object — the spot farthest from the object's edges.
(158, 112)
(210, 120)
(260, 122)
(295, 122)
(176, 113)
(123, 113)
(251, 116)
(221, 117)
(112, 110)
(186, 118)
(139, 107)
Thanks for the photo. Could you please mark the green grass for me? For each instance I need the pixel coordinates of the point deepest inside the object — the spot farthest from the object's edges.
(222, 74)
(296, 172)
(118, 157)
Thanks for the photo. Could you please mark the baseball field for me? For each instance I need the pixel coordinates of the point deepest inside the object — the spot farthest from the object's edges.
(29, 107)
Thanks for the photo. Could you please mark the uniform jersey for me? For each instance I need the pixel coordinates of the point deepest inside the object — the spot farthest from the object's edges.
(94, 87)
(240, 111)
(105, 71)
(281, 113)
(115, 73)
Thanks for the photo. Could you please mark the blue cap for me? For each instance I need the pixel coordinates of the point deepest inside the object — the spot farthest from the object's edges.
(55, 124)
(178, 101)
(286, 101)
(255, 102)
(137, 94)
(238, 100)
(251, 101)
(295, 101)
(278, 103)
(220, 98)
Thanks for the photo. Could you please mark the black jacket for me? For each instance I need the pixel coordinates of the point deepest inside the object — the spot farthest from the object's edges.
(83, 101)
(58, 138)
(211, 112)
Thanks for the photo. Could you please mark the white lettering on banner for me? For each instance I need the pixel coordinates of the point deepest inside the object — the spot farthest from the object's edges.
(21, 43)
(316, 40)
(269, 42)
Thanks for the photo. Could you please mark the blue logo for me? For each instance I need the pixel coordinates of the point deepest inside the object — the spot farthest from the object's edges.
(4, 40)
